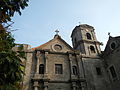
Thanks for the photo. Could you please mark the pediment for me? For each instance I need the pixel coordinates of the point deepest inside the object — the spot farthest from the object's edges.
(57, 44)
(112, 44)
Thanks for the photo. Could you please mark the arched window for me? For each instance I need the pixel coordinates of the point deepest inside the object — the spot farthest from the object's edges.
(92, 49)
(41, 69)
(74, 70)
(113, 72)
(88, 36)
(75, 41)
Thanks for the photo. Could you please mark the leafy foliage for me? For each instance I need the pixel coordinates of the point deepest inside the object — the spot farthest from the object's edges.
(9, 7)
(11, 67)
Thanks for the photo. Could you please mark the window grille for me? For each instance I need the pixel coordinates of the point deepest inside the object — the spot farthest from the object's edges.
(58, 69)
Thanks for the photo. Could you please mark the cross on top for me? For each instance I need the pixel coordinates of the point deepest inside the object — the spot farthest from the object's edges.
(57, 32)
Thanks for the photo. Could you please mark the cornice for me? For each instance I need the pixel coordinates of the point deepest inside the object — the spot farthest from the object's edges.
(87, 41)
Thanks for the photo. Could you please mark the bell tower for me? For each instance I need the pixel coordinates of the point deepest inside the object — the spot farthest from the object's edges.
(84, 40)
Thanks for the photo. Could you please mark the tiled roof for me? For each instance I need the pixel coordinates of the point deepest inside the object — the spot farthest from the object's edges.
(42, 45)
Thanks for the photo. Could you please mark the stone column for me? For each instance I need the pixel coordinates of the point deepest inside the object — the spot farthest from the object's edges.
(74, 88)
(37, 64)
(74, 85)
(83, 86)
(45, 85)
(36, 85)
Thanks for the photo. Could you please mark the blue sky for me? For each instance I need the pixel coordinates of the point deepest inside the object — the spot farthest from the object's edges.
(41, 18)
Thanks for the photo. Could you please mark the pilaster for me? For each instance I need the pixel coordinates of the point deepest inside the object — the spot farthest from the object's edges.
(80, 66)
(46, 63)
(70, 59)
(37, 64)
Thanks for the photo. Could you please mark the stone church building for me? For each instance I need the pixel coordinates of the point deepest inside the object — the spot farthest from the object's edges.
(56, 65)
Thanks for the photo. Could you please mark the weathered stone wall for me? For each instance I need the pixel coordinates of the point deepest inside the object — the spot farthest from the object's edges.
(58, 59)
(113, 59)
(85, 61)
(94, 81)
(28, 71)
(59, 86)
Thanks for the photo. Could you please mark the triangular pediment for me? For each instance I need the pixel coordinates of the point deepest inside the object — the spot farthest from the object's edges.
(57, 44)
(113, 43)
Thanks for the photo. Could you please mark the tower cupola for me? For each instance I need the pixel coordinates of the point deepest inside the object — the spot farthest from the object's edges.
(84, 40)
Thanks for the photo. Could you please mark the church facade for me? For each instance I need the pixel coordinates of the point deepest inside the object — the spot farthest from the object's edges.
(56, 65)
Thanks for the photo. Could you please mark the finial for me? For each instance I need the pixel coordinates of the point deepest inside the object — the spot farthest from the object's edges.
(57, 32)
(109, 34)
(79, 23)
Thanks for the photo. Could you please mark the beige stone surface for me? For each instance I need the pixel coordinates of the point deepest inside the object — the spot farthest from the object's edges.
(57, 51)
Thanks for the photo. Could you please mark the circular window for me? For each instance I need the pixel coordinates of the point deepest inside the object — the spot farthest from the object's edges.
(57, 47)
(113, 45)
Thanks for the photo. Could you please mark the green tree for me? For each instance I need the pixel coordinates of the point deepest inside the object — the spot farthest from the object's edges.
(9, 7)
(11, 67)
